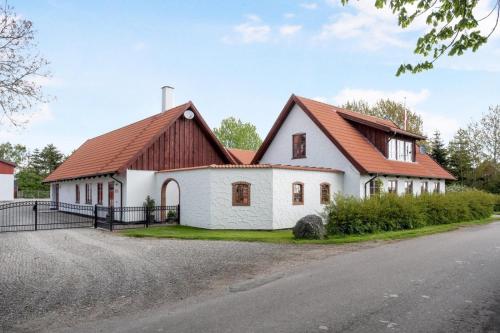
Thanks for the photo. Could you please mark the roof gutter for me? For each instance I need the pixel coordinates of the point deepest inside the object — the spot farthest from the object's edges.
(121, 190)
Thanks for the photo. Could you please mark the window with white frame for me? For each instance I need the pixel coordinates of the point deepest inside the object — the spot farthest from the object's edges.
(400, 150)
(408, 151)
(408, 187)
(392, 186)
(424, 188)
(437, 187)
(392, 149)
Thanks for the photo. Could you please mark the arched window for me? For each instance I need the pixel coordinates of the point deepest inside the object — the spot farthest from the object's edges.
(298, 193)
(324, 193)
(241, 194)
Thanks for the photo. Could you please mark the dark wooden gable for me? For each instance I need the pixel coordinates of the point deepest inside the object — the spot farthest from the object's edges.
(380, 138)
(183, 144)
(377, 137)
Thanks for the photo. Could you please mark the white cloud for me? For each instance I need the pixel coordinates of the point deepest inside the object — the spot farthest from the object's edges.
(309, 5)
(289, 30)
(253, 18)
(289, 15)
(369, 27)
(252, 31)
(26, 120)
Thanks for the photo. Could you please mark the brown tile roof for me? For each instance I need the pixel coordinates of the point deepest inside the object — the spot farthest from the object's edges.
(257, 166)
(242, 156)
(356, 147)
(110, 153)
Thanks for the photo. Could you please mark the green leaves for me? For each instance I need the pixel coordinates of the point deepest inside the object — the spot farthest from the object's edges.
(453, 28)
(233, 133)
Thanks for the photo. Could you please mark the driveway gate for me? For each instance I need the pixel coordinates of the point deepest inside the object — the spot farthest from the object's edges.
(44, 215)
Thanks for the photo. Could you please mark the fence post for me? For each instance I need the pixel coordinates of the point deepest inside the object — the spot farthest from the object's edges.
(111, 217)
(95, 216)
(35, 208)
(179, 214)
(147, 216)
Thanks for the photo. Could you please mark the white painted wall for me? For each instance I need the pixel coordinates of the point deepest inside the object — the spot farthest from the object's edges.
(206, 196)
(138, 186)
(67, 191)
(6, 187)
(259, 215)
(195, 201)
(285, 214)
(320, 151)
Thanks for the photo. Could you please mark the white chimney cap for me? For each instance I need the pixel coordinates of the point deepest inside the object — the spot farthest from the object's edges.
(167, 98)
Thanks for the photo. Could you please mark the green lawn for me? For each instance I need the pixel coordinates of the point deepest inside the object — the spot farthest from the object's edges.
(285, 236)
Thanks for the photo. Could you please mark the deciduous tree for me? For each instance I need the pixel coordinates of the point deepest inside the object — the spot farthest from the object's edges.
(233, 133)
(391, 110)
(453, 27)
(14, 153)
(21, 67)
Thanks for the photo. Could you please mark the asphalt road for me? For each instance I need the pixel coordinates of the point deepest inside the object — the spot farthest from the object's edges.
(442, 283)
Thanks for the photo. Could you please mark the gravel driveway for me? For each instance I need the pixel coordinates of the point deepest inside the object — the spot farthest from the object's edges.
(58, 278)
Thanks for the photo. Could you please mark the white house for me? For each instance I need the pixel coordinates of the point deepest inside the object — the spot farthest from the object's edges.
(6, 180)
(313, 151)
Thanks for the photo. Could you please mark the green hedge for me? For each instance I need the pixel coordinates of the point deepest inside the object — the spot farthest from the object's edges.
(347, 215)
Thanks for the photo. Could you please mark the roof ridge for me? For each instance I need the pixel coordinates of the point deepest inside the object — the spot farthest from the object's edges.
(341, 109)
(138, 121)
(152, 118)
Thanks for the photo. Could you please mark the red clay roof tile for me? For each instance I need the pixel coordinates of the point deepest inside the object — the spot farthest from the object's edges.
(364, 155)
(110, 152)
(242, 156)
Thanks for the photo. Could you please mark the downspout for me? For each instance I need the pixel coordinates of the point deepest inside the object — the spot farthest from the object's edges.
(369, 180)
(121, 195)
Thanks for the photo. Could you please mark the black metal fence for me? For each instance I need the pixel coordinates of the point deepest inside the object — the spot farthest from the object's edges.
(132, 217)
(45, 215)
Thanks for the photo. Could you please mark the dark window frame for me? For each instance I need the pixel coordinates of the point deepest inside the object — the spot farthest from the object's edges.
(99, 194)
(88, 194)
(236, 200)
(297, 202)
(375, 187)
(410, 191)
(297, 152)
(437, 187)
(424, 189)
(324, 198)
(77, 193)
(390, 188)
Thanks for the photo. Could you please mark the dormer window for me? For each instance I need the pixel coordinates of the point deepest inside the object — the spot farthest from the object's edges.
(400, 150)
(299, 145)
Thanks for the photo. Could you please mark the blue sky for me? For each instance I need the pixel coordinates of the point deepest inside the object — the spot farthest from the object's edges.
(243, 59)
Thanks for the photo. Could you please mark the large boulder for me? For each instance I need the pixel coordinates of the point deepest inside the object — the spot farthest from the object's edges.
(309, 227)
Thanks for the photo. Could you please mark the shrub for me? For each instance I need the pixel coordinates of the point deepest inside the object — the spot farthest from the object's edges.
(387, 212)
(309, 227)
(149, 203)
